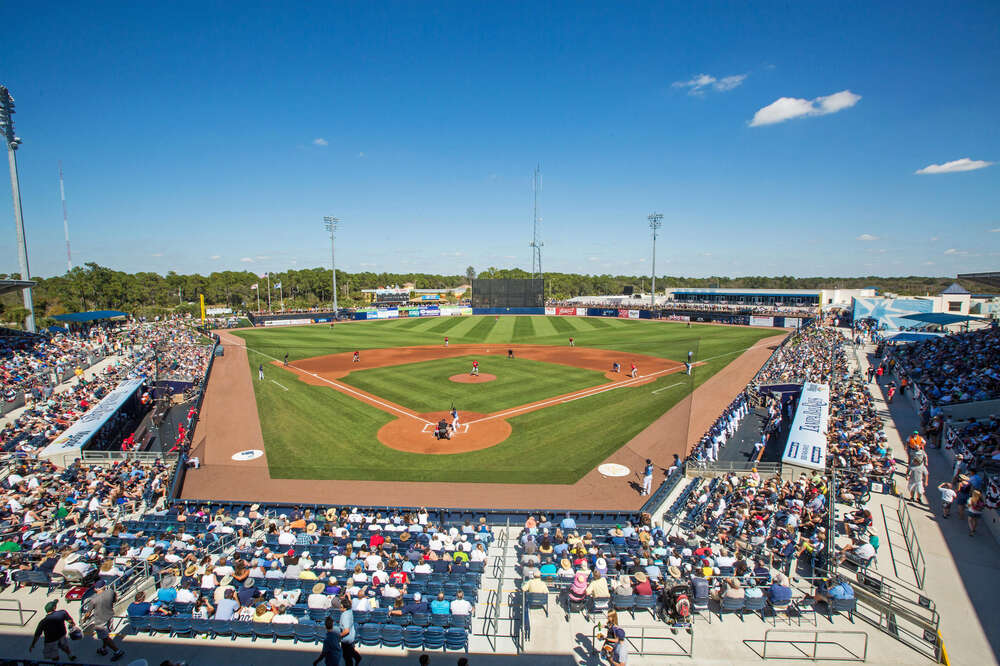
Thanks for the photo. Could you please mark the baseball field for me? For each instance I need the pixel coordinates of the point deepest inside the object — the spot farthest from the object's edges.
(547, 416)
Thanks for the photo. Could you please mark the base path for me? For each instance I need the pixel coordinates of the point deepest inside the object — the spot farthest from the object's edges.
(229, 424)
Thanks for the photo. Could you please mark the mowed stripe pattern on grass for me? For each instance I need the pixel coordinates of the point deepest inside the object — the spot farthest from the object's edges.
(424, 387)
(314, 432)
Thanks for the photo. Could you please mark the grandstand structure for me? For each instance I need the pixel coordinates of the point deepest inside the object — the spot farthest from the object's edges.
(733, 533)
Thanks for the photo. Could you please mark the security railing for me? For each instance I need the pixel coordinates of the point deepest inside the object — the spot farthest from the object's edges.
(912, 543)
(24, 615)
(810, 647)
(651, 641)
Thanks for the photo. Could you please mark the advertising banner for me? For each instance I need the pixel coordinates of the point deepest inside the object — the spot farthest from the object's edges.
(455, 311)
(67, 446)
(427, 311)
(581, 312)
(761, 321)
(218, 311)
(287, 322)
(566, 311)
(550, 311)
(806, 445)
(391, 313)
(633, 314)
(623, 314)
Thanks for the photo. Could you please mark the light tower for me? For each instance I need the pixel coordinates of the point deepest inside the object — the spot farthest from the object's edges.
(62, 194)
(536, 243)
(331, 222)
(7, 128)
(655, 222)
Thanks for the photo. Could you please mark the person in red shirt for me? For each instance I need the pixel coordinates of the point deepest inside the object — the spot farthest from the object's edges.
(399, 577)
(475, 368)
(642, 585)
(357, 357)
(376, 540)
(128, 443)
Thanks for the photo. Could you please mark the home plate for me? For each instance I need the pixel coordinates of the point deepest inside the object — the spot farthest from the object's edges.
(431, 427)
(613, 469)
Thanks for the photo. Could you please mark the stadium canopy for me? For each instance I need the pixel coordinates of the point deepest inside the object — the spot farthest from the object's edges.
(15, 285)
(939, 318)
(911, 336)
(992, 279)
(94, 315)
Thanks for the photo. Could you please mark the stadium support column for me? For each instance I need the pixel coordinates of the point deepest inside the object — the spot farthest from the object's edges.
(331, 223)
(655, 222)
(7, 128)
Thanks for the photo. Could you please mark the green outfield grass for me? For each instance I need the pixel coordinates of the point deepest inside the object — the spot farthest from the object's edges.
(425, 387)
(315, 432)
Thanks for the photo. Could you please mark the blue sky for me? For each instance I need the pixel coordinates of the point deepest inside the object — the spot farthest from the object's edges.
(775, 138)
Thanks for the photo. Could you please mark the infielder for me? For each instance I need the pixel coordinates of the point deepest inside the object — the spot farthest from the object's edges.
(635, 370)
(571, 343)
(446, 341)
(357, 357)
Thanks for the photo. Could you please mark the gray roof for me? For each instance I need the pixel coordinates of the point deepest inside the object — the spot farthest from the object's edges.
(955, 288)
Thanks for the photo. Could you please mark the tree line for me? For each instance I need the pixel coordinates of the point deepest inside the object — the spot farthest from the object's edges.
(95, 287)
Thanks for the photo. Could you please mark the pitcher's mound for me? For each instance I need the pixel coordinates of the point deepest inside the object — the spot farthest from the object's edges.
(466, 378)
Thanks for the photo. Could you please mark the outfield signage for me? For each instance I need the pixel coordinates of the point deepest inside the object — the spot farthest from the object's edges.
(218, 311)
(566, 311)
(581, 312)
(761, 321)
(68, 445)
(806, 445)
(287, 322)
(628, 314)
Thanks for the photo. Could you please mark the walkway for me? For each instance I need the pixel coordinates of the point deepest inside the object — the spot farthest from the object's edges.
(961, 571)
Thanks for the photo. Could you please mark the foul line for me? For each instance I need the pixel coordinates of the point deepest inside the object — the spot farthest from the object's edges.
(668, 387)
(586, 393)
(284, 387)
(344, 389)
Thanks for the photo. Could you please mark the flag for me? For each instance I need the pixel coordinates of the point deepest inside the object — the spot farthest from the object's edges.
(263, 276)
(253, 287)
(277, 285)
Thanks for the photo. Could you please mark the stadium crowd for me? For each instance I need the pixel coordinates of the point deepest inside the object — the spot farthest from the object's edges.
(134, 347)
(961, 367)
(814, 354)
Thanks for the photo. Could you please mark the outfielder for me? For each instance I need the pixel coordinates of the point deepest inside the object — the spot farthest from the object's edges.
(260, 372)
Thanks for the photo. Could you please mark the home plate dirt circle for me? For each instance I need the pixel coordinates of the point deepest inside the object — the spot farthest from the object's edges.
(466, 378)
(413, 436)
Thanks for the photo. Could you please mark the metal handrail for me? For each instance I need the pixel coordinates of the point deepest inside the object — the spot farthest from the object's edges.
(21, 612)
(701, 468)
(637, 643)
(912, 543)
(815, 642)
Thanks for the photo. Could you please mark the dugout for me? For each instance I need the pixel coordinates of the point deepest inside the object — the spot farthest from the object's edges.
(508, 293)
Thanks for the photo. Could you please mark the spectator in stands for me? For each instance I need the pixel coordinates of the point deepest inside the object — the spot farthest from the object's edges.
(535, 585)
(460, 605)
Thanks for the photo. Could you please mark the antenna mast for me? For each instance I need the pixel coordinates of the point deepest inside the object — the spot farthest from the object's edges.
(62, 193)
(536, 243)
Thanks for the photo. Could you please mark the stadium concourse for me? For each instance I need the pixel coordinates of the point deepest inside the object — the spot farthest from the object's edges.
(745, 545)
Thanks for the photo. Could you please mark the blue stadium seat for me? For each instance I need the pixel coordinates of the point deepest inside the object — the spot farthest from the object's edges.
(434, 638)
(392, 635)
(370, 634)
(413, 637)
(456, 638)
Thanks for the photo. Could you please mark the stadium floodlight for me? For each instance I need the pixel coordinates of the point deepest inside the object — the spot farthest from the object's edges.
(331, 222)
(12, 141)
(655, 222)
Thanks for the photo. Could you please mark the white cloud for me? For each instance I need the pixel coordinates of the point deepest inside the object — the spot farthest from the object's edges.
(366, 264)
(361, 154)
(928, 263)
(786, 108)
(262, 257)
(216, 256)
(701, 83)
(320, 142)
(935, 238)
(593, 259)
(952, 250)
(247, 260)
(867, 237)
(955, 166)
(156, 254)
(452, 254)
(995, 231)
